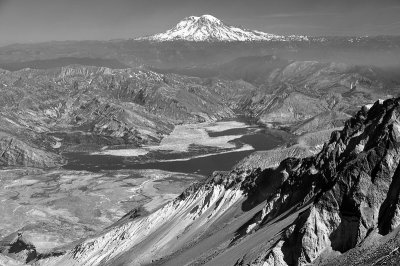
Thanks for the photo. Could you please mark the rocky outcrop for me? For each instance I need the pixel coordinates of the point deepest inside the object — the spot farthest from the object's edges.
(14, 152)
(18, 248)
(350, 189)
(375, 250)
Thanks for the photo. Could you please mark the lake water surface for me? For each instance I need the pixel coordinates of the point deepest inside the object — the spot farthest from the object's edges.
(198, 148)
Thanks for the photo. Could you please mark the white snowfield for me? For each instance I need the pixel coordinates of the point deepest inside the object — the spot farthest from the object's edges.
(209, 28)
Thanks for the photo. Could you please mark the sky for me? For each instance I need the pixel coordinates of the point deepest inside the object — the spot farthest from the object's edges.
(26, 21)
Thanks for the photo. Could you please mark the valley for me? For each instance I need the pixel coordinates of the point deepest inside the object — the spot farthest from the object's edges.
(93, 190)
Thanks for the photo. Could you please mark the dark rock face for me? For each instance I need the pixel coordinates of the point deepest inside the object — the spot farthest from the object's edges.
(376, 250)
(351, 188)
(20, 249)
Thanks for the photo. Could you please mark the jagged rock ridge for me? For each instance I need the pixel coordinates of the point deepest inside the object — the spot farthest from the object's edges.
(352, 186)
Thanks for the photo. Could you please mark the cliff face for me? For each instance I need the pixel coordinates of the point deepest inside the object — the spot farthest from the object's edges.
(351, 188)
(304, 211)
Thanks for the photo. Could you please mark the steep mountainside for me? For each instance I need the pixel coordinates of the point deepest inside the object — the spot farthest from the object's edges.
(305, 210)
(305, 95)
(209, 28)
(302, 91)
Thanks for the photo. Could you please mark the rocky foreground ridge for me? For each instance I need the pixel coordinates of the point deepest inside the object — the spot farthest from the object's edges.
(321, 209)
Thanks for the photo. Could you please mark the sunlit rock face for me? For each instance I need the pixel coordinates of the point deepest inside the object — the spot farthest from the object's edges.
(352, 186)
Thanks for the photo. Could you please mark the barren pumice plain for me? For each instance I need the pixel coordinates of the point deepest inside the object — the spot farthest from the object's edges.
(54, 208)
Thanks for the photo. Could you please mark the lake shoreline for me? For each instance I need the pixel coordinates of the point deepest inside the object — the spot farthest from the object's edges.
(193, 148)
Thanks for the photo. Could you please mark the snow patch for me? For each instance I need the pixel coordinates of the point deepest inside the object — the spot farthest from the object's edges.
(123, 152)
(244, 148)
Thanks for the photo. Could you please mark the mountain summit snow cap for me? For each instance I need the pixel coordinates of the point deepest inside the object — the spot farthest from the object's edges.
(211, 29)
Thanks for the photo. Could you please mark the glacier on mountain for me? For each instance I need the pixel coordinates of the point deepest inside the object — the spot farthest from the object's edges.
(209, 28)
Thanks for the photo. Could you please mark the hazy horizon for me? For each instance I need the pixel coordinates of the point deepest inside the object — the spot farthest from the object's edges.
(26, 21)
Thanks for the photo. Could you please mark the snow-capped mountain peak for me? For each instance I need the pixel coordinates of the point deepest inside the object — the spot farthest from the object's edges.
(210, 28)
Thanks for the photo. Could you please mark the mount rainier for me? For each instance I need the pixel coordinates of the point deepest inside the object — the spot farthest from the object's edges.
(210, 29)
